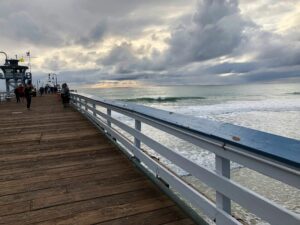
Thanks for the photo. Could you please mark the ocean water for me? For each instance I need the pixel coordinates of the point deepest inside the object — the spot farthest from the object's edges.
(273, 108)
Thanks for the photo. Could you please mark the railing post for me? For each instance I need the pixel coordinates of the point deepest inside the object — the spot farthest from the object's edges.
(223, 169)
(79, 104)
(109, 114)
(94, 111)
(138, 126)
(86, 106)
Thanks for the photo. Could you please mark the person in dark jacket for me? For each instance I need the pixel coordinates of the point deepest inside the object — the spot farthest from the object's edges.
(21, 89)
(28, 92)
(65, 94)
(17, 94)
(42, 89)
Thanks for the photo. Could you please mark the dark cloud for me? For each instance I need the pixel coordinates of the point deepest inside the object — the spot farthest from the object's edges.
(117, 8)
(119, 54)
(216, 30)
(272, 74)
(78, 22)
(22, 27)
(124, 59)
(55, 63)
(95, 36)
(224, 68)
(277, 50)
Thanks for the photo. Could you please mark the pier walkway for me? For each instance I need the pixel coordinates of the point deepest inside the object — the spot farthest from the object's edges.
(57, 168)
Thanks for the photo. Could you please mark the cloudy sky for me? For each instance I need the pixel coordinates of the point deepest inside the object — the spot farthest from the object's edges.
(100, 43)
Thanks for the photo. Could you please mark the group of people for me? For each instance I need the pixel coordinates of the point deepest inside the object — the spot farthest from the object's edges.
(27, 91)
(24, 91)
(47, 90)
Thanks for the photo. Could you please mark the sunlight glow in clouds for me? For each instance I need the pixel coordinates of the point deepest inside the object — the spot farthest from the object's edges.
(117, 84)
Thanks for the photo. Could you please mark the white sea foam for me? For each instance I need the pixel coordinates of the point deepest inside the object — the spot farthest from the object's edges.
(274, 105)
(277, 116)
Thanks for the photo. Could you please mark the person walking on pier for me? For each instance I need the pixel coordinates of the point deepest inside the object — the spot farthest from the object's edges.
(28, 91)
(21, 90)
(65, 94)
(17, 94)
(42, 89)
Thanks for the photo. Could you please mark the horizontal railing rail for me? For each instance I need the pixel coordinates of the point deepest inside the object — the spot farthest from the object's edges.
(272, 155)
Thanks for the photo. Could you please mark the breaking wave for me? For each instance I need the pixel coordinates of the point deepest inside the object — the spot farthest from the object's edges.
(294, 93)
(161, 99)
(275, 105)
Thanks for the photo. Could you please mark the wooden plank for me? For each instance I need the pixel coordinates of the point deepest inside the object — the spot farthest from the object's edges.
(91, 192)
(63, 188)
(74, 209)
(181, 222)
(14, 208)
(26, 196)
(64, 153)
(45, 146)
(21, 139)
(94, 191)
(114, 211)
(156, 217)
(106, 166)
(12, 171)
(55, 182)
(22, 173)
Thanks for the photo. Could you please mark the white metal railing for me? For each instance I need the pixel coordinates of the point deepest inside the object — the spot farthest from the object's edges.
(271, 155)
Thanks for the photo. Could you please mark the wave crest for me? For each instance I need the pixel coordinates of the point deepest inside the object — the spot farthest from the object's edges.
(294, 93)
(162, 99)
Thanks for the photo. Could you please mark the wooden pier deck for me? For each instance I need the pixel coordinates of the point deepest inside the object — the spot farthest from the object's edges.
(56, 168)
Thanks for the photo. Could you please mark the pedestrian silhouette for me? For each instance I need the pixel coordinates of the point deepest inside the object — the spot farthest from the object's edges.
(28, 93)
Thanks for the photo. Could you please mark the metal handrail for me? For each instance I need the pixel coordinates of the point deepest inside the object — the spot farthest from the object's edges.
(211, 136)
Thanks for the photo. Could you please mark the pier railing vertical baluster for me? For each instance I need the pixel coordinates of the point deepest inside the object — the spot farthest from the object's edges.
(94, 110)
(137, 142)
(223, 168)
(86, 105)
(80, 105)
(109, 114)
(138, 126)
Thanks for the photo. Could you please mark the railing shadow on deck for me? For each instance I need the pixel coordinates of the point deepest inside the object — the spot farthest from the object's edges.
(274, 156)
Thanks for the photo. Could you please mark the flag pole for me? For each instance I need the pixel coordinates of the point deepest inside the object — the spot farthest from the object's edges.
(29, 64)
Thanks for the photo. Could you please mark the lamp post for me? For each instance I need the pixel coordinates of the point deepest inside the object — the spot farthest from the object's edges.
(4, 53)
(54, 74)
